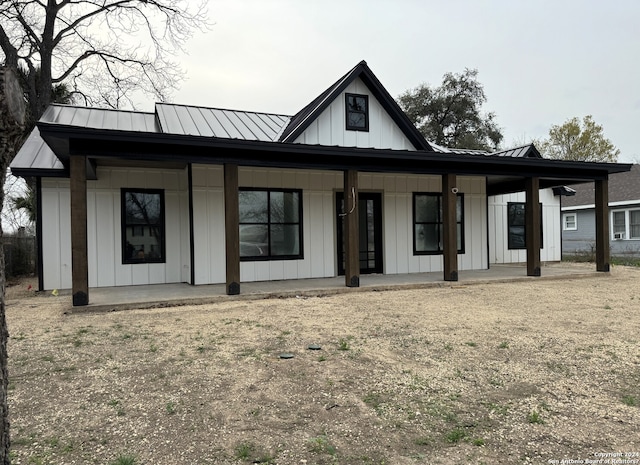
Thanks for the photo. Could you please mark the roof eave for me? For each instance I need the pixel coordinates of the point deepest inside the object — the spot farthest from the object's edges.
(66, 141)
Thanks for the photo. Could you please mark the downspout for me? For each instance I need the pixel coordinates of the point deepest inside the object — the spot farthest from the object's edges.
(192, 254)
(486, 201)
(39, 247)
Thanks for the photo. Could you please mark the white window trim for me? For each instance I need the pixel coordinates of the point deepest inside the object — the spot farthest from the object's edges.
(575, 222)
(627, 224)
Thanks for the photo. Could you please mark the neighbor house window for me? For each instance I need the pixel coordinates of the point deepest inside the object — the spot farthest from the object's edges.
(270, 224)
(516, 226)
(634, 224)
(570, 222)
(143, 229)
(427, 223)
(357, 112)
(619, 224)
(620, 220)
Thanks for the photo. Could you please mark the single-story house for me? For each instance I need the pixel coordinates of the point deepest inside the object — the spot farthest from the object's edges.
(579, 223)
(347, 185)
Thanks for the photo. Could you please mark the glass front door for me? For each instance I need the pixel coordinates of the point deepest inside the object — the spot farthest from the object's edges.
(370, 232)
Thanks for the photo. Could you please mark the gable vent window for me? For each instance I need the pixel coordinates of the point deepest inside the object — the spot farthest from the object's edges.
(357, 112)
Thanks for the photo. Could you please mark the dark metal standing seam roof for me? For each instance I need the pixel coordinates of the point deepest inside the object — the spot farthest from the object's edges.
(188, 134)
(220, 123)
(99, 118)
(526, 151)
(35, 154)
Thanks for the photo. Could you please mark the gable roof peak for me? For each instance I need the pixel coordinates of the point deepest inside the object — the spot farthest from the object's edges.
(303, 119)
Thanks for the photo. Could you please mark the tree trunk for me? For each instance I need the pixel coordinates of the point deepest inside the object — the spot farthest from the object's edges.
(12, 119)
(4, 336)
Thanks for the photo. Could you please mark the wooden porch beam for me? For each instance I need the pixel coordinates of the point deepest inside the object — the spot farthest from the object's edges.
(351, 233)
(532, 226)
(79, 255)
(603, 251)
(232, 229)
(449, 226)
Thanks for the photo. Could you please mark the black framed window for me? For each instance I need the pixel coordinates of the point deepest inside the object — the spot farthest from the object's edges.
(143, 226)
(427, 223)
(270, 224)
(516, 226)
(357, 112)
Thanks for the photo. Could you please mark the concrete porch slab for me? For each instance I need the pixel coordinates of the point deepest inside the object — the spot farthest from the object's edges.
(165, 295)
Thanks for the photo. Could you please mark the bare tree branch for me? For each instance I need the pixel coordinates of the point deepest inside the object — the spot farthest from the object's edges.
(106, 48)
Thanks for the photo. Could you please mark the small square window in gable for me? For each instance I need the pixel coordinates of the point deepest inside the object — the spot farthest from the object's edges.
(357, 112)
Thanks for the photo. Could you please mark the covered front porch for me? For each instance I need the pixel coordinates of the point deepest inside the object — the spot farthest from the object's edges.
(163, 295)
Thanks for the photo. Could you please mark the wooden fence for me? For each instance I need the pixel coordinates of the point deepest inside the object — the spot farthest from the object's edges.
(19, 255)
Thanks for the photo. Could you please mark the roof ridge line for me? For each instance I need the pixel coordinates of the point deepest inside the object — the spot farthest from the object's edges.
(117, 110)
(202, 107)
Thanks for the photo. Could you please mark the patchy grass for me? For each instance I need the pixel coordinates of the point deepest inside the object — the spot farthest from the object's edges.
(590, 257)
(535, 418)
(125, 460)
(321, 445)
(445, 375)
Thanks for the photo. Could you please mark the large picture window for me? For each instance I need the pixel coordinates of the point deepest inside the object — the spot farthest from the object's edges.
(143, 226)
(516, 231)
(270, 224)
(427, 223)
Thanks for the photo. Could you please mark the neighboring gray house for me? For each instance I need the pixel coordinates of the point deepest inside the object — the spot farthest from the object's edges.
(578, 216)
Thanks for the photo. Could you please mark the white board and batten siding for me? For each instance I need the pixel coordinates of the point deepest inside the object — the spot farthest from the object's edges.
(329, 127)
(318, 223)
(499, 251)
(104, 244)
(398, 221)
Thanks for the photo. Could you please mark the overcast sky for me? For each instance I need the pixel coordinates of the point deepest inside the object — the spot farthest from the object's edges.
(541, 62)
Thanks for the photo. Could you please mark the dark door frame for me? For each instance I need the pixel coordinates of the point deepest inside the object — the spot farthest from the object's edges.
(363, 197)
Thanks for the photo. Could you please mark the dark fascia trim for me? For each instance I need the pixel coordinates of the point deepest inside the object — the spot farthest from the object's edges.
(510, 187)
(198, 149)
(55, 173)
(363, 72)
(40, 173)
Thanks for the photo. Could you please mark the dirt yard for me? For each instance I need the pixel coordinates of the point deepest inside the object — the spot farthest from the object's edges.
(505, 373)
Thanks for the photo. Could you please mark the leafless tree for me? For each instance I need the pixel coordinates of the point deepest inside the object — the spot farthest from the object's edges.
(100, 53)
(104, 51)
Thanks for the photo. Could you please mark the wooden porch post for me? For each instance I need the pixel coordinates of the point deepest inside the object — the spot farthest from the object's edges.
(532, 226)
(602, 226)
(79, 256)
(351, 233)
(232, 228)
(450, 228)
